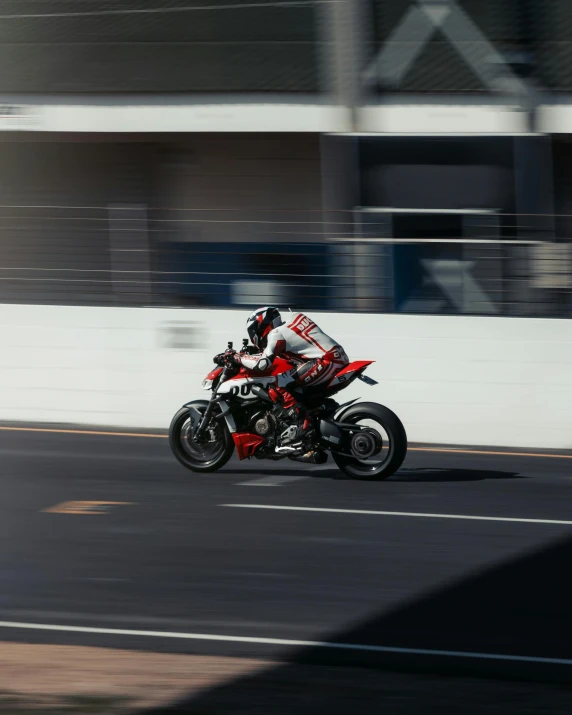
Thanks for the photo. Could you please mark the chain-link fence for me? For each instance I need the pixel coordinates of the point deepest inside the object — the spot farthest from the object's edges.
(223, 46)
(133, 255)
(473, 46)
(158, 46)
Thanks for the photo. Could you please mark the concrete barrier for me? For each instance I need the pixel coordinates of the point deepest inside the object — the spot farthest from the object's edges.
(453, 380)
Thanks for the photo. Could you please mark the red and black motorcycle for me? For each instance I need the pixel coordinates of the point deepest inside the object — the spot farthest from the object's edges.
(366, 440)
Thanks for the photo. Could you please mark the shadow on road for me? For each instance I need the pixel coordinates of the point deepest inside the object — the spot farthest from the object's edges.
(403, 475)
(452, 475)
(303, 470)
(521, 607)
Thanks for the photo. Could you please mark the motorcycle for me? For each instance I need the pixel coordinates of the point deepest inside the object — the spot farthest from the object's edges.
(366, 440)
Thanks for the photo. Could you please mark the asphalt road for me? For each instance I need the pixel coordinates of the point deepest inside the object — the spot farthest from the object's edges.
(172, 552)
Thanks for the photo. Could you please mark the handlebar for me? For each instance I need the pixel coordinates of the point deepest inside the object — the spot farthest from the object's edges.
(225, 359)
(222, 359)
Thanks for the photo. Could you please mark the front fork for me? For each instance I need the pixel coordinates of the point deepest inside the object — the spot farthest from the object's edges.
(205, 419)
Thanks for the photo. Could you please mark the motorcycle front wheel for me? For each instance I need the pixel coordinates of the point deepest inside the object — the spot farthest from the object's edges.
(385, 439)
(208, 455)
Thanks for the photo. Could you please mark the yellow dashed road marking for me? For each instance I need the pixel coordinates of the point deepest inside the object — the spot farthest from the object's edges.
(83, 431)
(482, 451)
(85, 507)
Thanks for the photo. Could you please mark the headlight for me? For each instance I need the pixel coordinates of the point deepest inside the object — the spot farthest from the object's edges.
(207, 384)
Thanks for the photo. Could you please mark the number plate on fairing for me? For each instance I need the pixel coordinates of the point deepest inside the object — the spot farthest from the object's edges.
(368, 380)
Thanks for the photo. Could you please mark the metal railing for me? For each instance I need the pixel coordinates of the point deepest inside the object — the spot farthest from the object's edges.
(136, 256)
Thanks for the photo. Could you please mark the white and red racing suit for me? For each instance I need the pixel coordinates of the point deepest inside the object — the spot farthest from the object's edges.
(317, 357)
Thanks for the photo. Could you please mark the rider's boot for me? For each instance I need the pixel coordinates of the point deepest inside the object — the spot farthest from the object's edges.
(291, 412)
(314, 456)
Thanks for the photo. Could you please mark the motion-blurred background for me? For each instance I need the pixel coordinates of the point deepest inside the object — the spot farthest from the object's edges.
(376, 158)
(349, 155)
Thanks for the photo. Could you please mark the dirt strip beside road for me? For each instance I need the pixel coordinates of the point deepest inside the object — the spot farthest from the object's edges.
(81, 678)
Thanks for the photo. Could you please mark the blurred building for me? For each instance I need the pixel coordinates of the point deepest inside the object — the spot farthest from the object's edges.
(378, 155)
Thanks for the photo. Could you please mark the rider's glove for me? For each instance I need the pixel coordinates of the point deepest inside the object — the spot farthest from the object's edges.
(228, 357)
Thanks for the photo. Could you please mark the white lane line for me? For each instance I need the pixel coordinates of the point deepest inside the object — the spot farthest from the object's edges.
(399, 513)
(275, 480)
(284, 642)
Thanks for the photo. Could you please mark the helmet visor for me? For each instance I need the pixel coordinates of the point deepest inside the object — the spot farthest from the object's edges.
(252, 330)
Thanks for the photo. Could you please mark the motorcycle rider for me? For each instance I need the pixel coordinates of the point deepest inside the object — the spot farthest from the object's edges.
(316, 356)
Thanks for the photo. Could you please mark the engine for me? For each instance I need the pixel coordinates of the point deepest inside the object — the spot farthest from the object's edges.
(263, 424)
(267, 425)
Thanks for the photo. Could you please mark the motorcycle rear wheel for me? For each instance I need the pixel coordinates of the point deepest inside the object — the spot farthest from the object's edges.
(394, 448)
(208, 456)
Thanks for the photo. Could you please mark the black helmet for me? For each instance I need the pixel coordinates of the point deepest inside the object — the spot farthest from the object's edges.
(261, 322)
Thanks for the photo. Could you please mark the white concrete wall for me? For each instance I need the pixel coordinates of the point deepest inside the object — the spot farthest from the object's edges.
(453, 380)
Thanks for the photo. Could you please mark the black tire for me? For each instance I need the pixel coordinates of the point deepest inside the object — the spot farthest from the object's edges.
(189, 454)
(396, 447)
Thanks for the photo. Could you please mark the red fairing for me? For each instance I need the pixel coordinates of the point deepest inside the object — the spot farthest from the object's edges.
(246, 443)
(214, 373)
(280, 365)
(353, 366)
